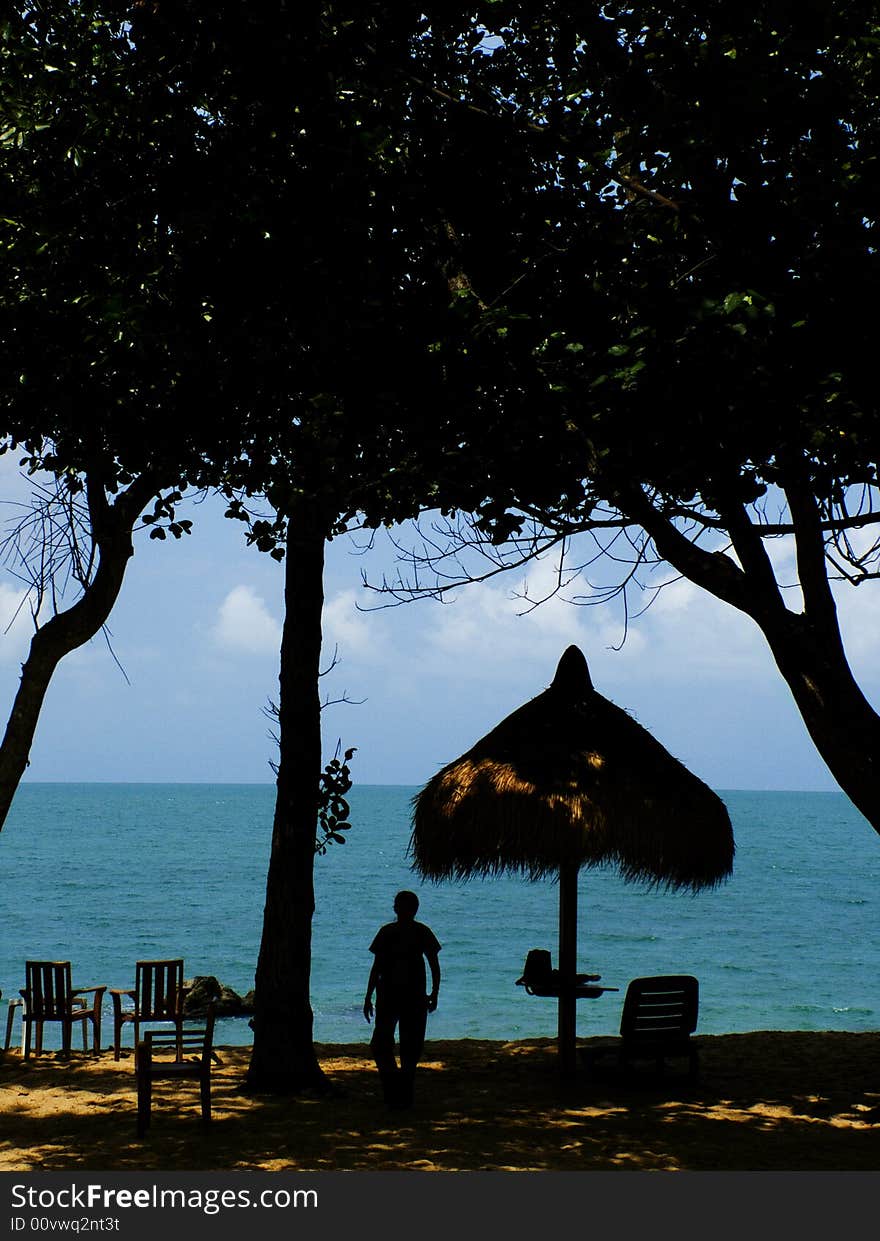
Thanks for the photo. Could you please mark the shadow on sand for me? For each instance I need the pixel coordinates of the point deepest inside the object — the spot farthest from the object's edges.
(764, 1101)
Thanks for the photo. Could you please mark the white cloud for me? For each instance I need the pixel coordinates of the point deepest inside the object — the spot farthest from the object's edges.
(858, 609)
(354, 632)
(491, 624)
(15, 624)
(244, 623)
(487, 635)
(684, 633)
(687, 632)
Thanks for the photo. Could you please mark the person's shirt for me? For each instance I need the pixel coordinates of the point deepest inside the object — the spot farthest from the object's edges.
(400, 949)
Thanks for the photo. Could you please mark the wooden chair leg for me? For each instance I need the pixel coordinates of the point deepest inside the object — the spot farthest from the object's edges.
(26, 1044)
(206, 1098)
(144, 1089)
(9, 1019)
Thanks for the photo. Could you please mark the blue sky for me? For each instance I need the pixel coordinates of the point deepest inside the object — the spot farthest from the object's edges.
(197, 629)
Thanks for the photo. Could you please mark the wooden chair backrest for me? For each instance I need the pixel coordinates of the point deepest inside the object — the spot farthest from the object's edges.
(190, 1041)
(157, 987)
(48, 989)
(660, 1008)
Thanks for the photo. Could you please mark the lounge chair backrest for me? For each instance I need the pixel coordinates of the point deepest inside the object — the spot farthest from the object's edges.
(660, 1008)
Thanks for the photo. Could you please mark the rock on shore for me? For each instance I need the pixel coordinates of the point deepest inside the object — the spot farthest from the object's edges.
(205, 989)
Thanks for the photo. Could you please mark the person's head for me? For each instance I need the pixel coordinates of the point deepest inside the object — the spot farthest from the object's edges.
(406, 905)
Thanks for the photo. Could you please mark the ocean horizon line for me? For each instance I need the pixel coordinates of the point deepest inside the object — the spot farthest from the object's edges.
(363, 784)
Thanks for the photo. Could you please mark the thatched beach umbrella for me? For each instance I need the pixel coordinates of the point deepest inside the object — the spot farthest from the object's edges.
(565, 781)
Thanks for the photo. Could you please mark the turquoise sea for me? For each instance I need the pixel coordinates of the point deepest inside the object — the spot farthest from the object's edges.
(103, 874)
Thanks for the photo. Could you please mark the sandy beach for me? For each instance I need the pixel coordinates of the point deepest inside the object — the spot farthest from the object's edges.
(764, 1101)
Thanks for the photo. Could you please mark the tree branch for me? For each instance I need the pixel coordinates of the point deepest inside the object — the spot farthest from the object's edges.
(714, 571)
(819, 603)
(765, 596)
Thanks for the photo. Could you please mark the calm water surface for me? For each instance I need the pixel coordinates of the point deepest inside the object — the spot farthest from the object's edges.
(103, 874)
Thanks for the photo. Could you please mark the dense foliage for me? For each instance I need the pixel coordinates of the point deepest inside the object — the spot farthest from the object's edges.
(207, 265)
(673, 277)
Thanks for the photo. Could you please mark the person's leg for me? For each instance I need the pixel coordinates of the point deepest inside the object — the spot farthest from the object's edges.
(382, 1047)
(413, 1020)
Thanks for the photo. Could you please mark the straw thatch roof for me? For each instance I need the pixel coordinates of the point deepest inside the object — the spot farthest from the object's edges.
(571, 778)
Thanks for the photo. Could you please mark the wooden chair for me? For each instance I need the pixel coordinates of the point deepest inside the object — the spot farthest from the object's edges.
(659, 1016)
(197, 1043)
(49, 995)
(158, 996)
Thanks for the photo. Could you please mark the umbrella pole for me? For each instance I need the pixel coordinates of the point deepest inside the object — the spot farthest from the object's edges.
(568, 877)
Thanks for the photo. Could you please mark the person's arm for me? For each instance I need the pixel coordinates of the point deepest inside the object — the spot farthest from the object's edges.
(434, 963)
(371, 987)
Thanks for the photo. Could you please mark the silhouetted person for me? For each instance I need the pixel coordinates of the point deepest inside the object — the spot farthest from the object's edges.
(399, 980)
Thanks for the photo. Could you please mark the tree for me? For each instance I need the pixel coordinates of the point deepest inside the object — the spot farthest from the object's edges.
(219, 274)
(99, 573)
(670, 343)
(343, 284)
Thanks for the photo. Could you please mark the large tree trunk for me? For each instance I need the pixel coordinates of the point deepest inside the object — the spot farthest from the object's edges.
(112, 527)
(283, 1058)
(806, 645)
